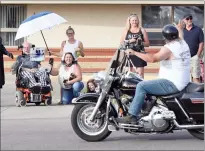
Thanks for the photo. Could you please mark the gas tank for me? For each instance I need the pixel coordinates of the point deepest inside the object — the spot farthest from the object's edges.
(128, 85)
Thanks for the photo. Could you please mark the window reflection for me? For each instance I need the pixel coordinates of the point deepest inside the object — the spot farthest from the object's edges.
(156, 38)
(196, 11)
(156, 16)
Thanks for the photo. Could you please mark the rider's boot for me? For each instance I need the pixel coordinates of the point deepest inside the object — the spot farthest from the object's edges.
(129, 119)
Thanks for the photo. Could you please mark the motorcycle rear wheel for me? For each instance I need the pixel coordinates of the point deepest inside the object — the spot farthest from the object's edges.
(89, 131)
(197, 133)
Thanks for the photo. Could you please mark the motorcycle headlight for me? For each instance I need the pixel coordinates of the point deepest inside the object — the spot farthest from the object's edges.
(107, 83)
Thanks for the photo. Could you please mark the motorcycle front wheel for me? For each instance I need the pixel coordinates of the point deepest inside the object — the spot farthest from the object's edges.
(84, 128)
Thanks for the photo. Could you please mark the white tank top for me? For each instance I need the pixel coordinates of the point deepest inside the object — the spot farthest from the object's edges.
(177, 70)
(70, 48)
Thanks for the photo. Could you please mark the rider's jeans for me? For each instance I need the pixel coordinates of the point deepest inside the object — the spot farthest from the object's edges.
(155, 87)
(69, 94)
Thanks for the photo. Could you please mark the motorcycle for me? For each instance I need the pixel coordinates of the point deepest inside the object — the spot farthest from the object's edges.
(94, 115)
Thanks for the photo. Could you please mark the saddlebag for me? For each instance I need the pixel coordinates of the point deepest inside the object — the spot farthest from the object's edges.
(194, 105)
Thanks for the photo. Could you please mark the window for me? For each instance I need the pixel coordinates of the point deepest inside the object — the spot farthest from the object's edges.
(196, 11)
(155, 17)
(11, 17)
(9, 37)
(156, 38)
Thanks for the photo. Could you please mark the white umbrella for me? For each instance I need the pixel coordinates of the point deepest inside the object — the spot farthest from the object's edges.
(38, 22)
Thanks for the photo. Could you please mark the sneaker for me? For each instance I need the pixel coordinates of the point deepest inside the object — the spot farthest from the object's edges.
(60, 103)
(129, 119)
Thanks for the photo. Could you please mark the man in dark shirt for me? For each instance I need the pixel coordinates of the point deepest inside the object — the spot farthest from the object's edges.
(194, 37)
(3, 51)
(30, 69)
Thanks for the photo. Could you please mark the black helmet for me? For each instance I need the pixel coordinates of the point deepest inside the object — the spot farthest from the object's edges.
(170, 32)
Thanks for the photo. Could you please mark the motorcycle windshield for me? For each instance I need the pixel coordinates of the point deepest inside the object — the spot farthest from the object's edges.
(112, 64)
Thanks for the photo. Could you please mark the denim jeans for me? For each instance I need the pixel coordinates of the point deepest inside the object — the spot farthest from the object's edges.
(69, 94)
(155, 87)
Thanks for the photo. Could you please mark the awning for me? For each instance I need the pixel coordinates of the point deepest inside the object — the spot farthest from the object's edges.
(163, 2)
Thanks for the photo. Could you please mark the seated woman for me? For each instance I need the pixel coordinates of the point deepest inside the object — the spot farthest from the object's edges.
(70, 78)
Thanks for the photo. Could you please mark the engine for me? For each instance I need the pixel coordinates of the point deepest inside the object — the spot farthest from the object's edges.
(158, 119)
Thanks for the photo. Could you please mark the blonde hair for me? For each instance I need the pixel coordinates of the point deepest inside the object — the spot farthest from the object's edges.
(128, 25)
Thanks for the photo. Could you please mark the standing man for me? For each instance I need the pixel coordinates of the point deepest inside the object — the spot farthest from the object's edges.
(3, 51)
(194, 37)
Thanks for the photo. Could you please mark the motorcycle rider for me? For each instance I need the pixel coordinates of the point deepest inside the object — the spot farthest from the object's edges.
(174, 73)
(30, 69)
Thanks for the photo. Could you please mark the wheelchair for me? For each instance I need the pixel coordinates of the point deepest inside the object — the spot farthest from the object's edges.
(36, 94)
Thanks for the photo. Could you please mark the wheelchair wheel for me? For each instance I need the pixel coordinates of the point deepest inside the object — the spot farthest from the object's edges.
(48, 101)
(38, 103)
(20, 100)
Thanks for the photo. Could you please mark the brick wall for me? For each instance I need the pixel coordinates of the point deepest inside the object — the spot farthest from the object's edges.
(95, 59)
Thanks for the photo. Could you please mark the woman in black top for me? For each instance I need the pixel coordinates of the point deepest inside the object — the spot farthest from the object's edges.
(133, 32)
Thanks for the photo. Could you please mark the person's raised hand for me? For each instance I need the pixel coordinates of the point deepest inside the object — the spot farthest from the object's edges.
(10, 55)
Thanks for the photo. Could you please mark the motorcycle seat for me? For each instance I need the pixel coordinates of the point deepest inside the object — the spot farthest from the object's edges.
(171, 96)
(194, 87)
(190, 88)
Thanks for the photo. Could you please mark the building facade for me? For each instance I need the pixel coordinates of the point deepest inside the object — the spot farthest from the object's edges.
(98, 24)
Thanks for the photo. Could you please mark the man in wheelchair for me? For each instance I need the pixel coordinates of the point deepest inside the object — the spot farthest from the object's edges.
(30, 71)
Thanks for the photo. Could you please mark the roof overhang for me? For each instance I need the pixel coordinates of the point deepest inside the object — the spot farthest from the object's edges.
(193, 2)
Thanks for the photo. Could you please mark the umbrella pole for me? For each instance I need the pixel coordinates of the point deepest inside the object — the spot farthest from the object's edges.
(46, 43)
(44, 40)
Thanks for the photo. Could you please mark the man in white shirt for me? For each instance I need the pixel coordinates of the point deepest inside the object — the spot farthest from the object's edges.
(174, 73)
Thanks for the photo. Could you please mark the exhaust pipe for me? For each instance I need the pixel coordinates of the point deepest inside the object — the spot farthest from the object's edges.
(187, 126)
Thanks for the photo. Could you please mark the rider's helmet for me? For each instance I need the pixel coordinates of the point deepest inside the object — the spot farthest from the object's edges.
(170, 32)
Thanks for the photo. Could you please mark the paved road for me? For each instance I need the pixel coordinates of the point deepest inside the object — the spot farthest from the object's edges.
(49, 128)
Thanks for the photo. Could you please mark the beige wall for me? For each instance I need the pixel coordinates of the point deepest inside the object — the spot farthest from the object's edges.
(95, 25)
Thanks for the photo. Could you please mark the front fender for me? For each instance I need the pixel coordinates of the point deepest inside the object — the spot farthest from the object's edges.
(86, 98)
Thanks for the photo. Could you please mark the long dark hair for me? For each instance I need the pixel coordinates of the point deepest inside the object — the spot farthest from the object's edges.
(93, 82)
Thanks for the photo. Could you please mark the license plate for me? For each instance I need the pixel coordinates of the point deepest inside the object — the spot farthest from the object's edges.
(36, 98)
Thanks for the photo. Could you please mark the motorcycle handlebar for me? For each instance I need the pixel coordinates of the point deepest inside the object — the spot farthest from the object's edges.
(127, 45)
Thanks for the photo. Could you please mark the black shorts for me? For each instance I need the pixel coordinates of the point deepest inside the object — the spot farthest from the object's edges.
(137, 62)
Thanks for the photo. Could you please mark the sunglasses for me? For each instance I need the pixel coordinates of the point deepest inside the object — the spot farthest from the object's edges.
(133, 15)
(189, 18)
(70, 33)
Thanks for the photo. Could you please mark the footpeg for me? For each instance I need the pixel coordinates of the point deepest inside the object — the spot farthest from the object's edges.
(112, 128)
(131, 125)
